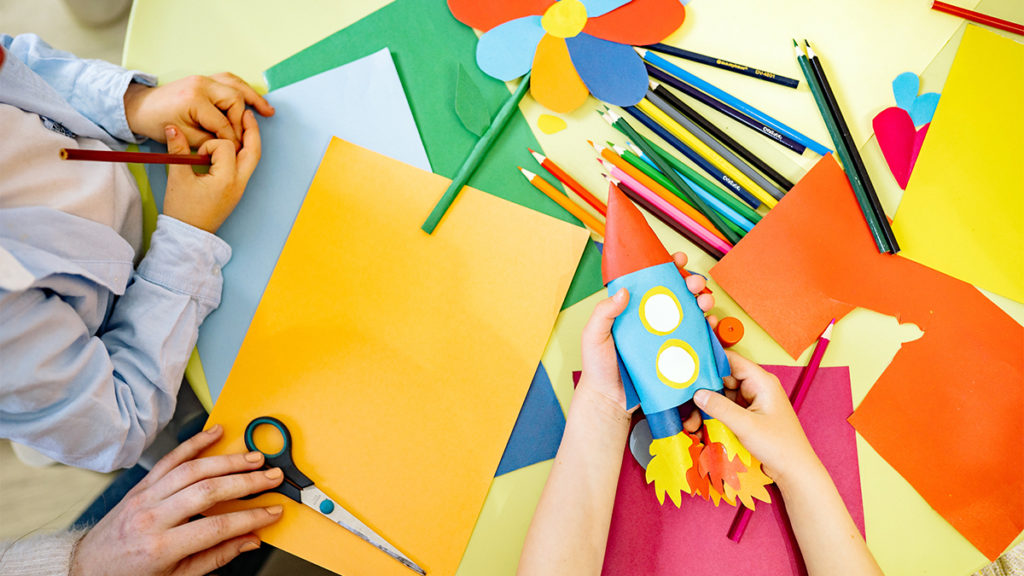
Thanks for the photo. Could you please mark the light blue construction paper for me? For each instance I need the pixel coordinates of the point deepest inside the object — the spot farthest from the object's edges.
(904, 89)
(539, 427)
(923, 109)
(612, 72)
(597, 8)
(506, 51)
(362, 102)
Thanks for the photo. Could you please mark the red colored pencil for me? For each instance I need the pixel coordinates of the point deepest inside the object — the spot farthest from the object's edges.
(796, 397)
(569, 181)
(979, 17)
(133, 157)
(571, 207)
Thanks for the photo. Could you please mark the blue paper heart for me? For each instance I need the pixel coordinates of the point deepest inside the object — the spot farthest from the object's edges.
(923, 108)
(905, 88)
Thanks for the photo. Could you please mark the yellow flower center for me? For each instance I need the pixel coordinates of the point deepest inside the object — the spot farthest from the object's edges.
(565, 18)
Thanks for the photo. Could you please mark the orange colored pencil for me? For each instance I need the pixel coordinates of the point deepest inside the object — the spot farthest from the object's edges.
(134, 157)
(563, 201)
(658, 189)
(569, 181)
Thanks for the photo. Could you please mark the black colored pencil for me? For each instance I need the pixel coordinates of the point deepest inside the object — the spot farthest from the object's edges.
(755, 125)
(725, 65)
(722, 137)
(851, 148)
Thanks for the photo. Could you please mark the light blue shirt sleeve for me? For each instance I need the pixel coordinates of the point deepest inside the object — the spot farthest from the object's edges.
(94, 88)
(97, 399)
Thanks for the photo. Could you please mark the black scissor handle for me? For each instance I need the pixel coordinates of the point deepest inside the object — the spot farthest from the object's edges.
(281, 459)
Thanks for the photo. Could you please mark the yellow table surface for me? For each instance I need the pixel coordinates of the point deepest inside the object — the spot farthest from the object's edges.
(176, 39)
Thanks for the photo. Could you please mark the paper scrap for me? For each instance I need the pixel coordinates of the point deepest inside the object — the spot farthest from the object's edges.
(549, 124)
(470, 106)
(539, 427)
(899, 141)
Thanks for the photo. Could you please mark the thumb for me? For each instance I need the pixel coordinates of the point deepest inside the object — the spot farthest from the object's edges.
(721, 408)
(600, 324)
(177, 143)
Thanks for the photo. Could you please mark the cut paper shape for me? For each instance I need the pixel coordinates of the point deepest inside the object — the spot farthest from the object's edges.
(342, 350)
(573, 46)
(470, 106)
(549, 124)
(692, 539)
(362, 101)
(538, 429)
(899, 141)
(811, 259)
(924, 108)
(428, 54)
(905, 88)
(963, 213)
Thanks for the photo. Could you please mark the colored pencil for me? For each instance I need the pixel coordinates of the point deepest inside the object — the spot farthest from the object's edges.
(564, 201)
(731, 100)
(476, 155)
(720, 157)
(645, 165)
(697, 159)
(668, 208)
(725, 65)
(133, 157)
(696, 240)
(690, 174)
(569, 181)
(719, 106)
(856, 164)
(796, 398)
(718, 134)
(688, 208)
(978, 17)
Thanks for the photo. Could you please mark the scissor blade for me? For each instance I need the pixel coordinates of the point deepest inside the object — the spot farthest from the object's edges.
(313, 497)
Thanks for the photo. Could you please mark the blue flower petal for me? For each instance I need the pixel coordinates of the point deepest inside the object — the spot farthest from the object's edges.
(506, 51)
(612, 72)
(597, 8)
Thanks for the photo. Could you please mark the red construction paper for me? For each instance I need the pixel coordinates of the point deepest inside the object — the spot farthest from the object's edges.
(654, 540)
(639, 22)
(630, 244)
(946, 413)
(899, 140)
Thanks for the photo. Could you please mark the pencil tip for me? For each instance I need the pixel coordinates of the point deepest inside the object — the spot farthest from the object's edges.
(794, 41)
(827, 335)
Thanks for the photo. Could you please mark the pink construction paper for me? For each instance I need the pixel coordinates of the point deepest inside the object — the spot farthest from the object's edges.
(899, 140)
(651, 539)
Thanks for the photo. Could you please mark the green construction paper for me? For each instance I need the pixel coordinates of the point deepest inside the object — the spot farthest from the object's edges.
(470, 106)
(427, 43)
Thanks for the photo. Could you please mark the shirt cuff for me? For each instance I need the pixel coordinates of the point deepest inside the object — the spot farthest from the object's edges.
(120, 129)
(186, 260)
(40, 555)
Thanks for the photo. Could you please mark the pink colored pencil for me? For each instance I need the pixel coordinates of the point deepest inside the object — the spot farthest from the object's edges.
(803, 384)
(670, 210)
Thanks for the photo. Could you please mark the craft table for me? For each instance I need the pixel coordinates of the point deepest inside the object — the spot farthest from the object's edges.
(175, 39)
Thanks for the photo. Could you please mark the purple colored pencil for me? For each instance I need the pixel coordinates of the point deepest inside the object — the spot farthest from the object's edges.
(803, 384)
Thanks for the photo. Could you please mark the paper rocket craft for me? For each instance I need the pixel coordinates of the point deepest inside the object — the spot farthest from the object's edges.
(667, 352)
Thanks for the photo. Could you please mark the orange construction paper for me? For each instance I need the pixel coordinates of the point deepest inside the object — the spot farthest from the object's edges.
(555, 83)
(947, 412)
(399, 360)
(639, 22)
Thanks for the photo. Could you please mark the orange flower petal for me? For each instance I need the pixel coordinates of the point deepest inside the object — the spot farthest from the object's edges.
(639, 22)
(486, 15)
(555, 83)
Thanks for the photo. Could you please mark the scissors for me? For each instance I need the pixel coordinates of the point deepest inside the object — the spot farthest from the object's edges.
(300, 488)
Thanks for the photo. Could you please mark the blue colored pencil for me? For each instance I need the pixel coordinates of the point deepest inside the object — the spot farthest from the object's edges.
(755, 125)
(731, 100)
(730, 184)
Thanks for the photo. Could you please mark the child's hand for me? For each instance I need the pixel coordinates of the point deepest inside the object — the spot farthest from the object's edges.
(206, 200)
(762, 418)
(600, 369)
(151, 530)
(204, 107)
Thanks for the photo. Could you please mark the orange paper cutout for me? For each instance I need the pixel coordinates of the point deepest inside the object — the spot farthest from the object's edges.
(399, 360)
(555, 83)
(811, 259)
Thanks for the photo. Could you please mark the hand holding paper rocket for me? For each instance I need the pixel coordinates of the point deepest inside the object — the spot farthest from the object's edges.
(668, 352)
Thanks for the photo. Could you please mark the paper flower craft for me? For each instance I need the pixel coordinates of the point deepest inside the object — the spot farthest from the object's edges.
(573, 47)
(900, 129)
(668, 352)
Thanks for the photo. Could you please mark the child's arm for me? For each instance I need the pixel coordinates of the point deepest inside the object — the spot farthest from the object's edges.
(768, 427)
(570, 526)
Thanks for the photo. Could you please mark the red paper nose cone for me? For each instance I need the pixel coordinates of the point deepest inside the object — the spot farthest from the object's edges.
(629, 243)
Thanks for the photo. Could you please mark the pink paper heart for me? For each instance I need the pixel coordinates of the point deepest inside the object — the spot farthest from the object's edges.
(899, 141)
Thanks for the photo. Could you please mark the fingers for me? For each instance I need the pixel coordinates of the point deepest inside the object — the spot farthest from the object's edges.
(721, 408)
(599, 327)
(204, 494)
(193, 471)
(185, 451)
(208, 561)
(248, 94)
(680, 259)
(712, 320)
(229, 101)
(222, 158)
(705, 301)
(204, 535)
(213, 120)
(252, 148)
(692, 422)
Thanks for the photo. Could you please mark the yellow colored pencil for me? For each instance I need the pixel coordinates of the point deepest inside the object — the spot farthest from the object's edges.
(564, 201)
(656, 114)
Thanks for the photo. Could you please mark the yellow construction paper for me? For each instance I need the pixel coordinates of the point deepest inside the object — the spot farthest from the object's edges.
(398, 360)
(963, 212)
